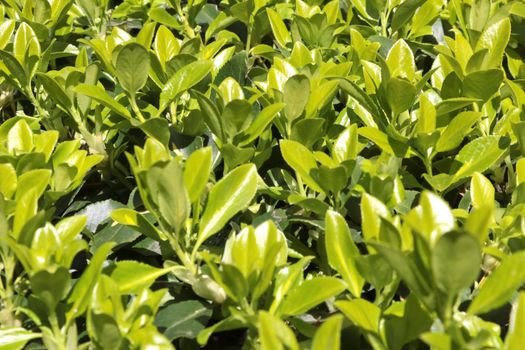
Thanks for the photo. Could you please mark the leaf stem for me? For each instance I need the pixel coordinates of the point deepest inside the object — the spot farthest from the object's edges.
(136, 109)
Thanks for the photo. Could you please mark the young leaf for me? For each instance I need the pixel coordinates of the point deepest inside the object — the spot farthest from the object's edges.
(183, 80)
(167, 184)
(362, 313)
(341, 250)
(479, 155)
(80, 297)
(481, 191)
(346, 145)
(400, 61)
(515, 336)
(311, 293)
(132, 276)
(15, 338)
(100, 95)
(261, 122)
(404, 13)
(196, 172)
(328, 336)
(500, 285)
(300, 159)
(275, 334)
(137, 221)
(495, 38)
(281, 34)
(6, 30)
(230, 195)
(458, 128)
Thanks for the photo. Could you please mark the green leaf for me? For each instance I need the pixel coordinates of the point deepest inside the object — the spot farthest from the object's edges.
(210, 114)
(400, 95)
(26, 45)
(14, 68)
(481, 191)
(132, 66)
(15, 338)
(516, 337)
(400, 330)
(456, 130)
(454, 104)
(80, 297)
(226, 324)
(275, 334)
(311, 293)
(157, 128)
(196, 172)
(7, 180)
(414, 275)
(308, 131)
(495, 38)
(479, 155)
(137, 221)
(519, 130)
(300, 159)
(499, 287)
(6, 30)
(286, 281)
(296, 94)
(362, 313)
(372, 210)
(132, 276)
(332, 179)
(100, 95)
(167, 185)
(231, 194)
(346, 145)
(261, 122)
(520, 171)
(456, 261)
(183, 80)
(328, 336)
(281, 34)
(55, 91)
(404, 13)
(364, 100)
(400, 61)
(183, 319)
(482, 84)
(166, 45)
(105, 331)
(230, 90)
(50, 286)
(235, 117)
(479, 221)
(20, 138)
(341, 250)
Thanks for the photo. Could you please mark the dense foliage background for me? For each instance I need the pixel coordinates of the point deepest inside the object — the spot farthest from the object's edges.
(262, 174)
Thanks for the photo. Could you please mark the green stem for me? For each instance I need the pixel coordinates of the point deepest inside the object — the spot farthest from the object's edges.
(59, 338)
(189, 30)
(182, 255)
(249, 34)
(32, 98)
(300, 184)
(136, 109)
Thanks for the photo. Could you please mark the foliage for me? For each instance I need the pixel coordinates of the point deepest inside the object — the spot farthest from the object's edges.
(252, 174)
